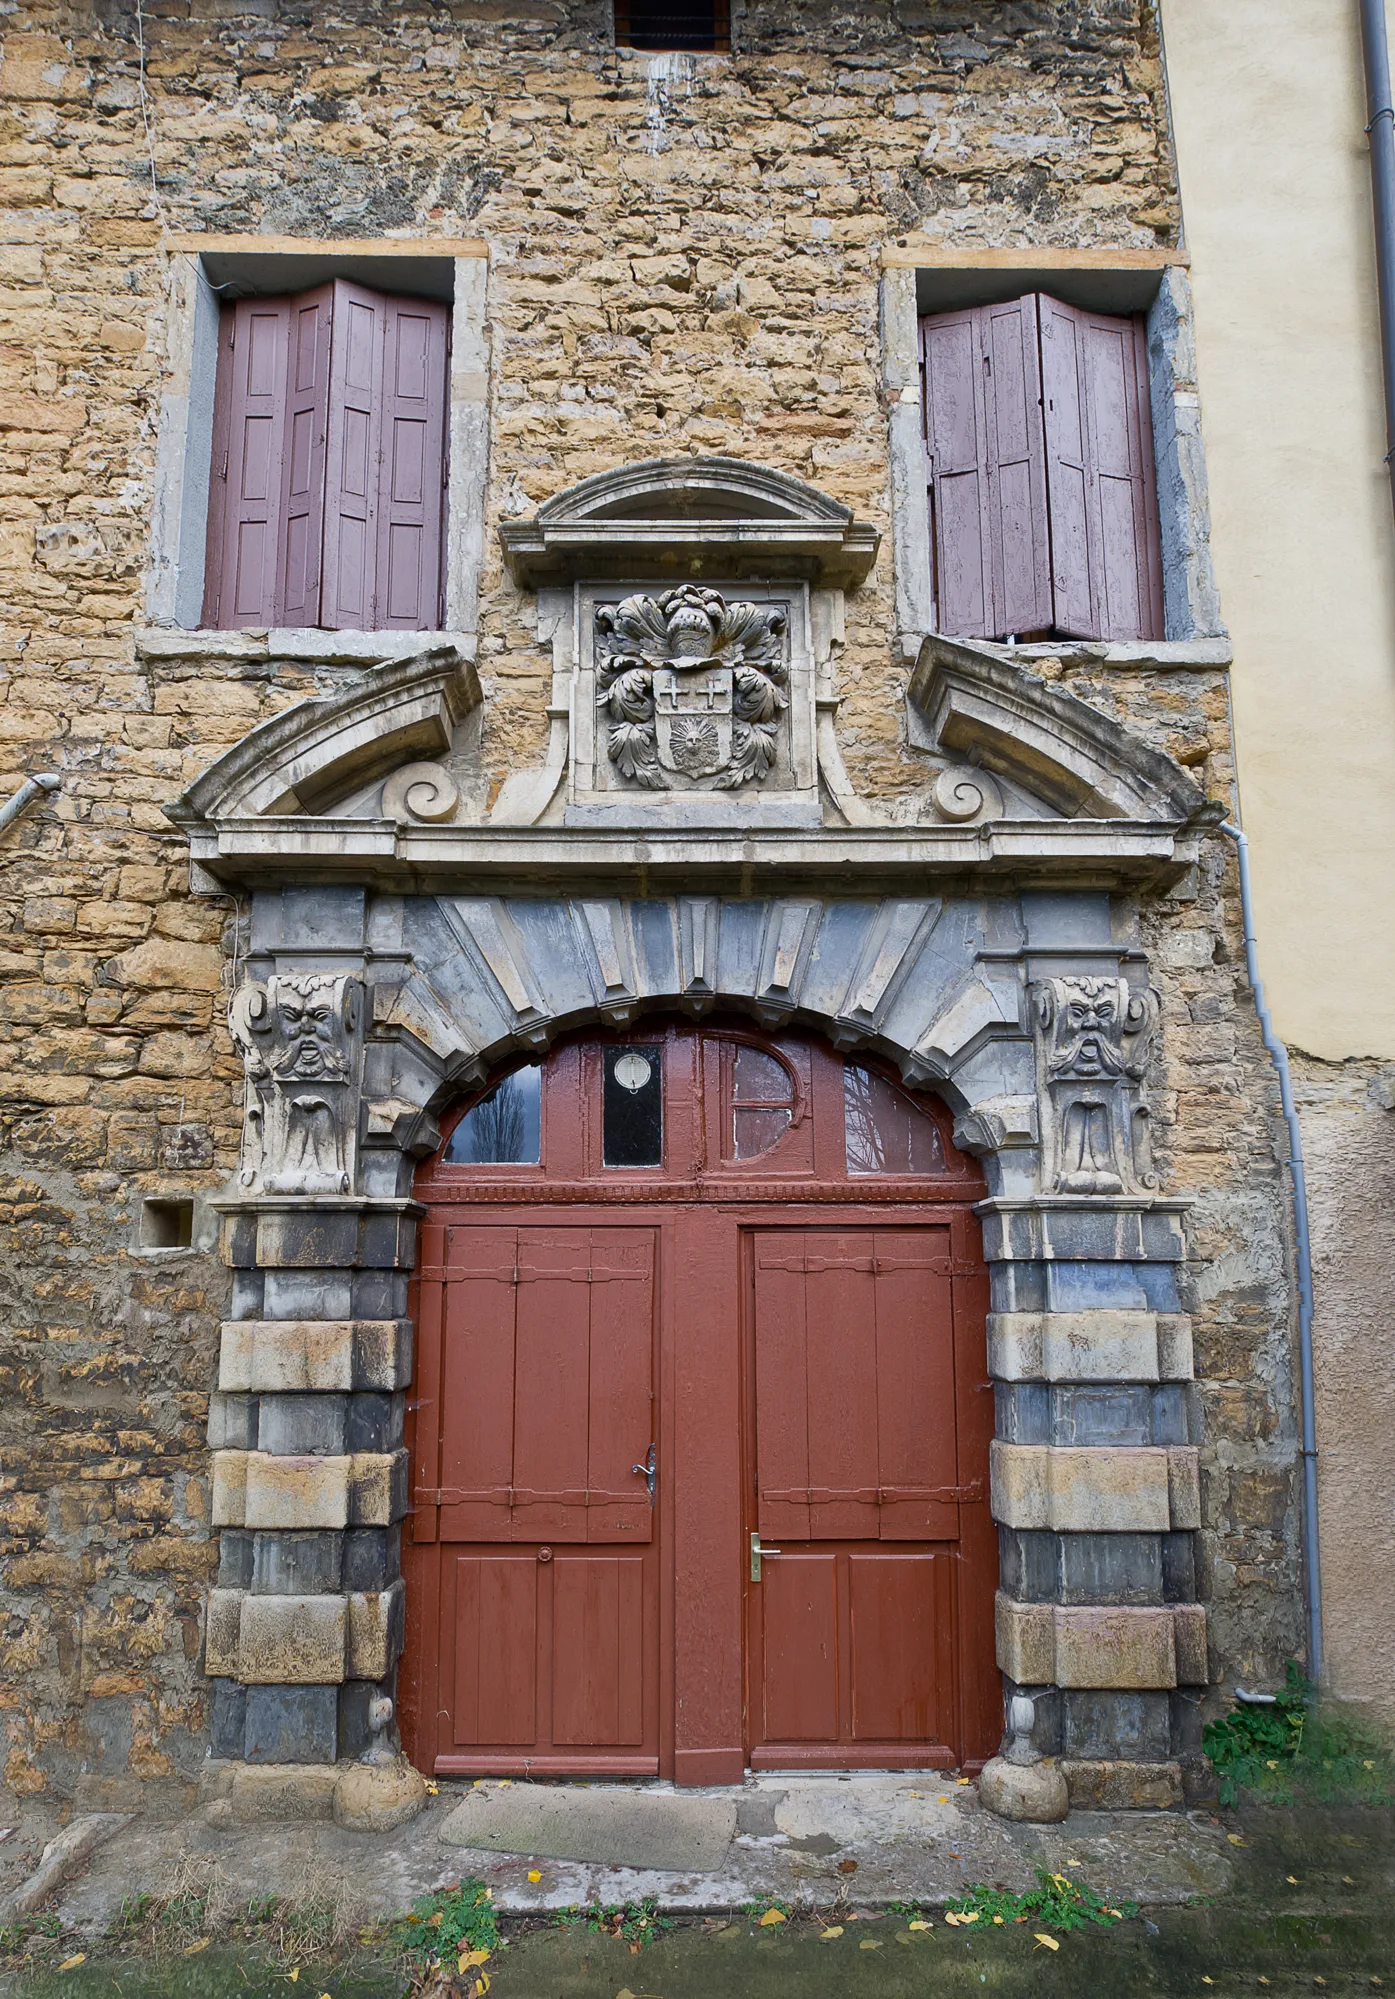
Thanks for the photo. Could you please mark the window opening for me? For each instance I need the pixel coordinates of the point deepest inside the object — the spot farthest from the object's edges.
(167, 1223)
(885, 1131)
(504, 1128)
(762, 1102)
(632, 1109)
(644, 25)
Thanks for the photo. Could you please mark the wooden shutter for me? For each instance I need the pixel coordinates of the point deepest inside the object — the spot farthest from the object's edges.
(307, 421)
(329, 462)
(1107, 571)
(957, 453)
(1019, 544)
(413, 458)
(249, 437)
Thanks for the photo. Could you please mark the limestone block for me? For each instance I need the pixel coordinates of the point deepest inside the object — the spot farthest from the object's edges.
(1029, 1793)
(232, 1422)
(222, 1633)
(297, 1492)
(1104, 1647)
(376, 1798)
(375, 1624)
(282, 1791)
(276, 1356)
(1102, 1345)
(1184, 1485)
(292, 1640)
(1175, 1362)
(1113, 1787)
(229, 1500)
(1080, 1489)
(378, 1488)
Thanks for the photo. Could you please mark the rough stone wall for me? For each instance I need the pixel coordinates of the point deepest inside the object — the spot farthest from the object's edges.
(684, 258)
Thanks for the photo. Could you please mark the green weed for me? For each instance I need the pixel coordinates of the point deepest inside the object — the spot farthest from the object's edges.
(1056, 1903)
(638, 1923)
(1297, 1748)
(447, 1924)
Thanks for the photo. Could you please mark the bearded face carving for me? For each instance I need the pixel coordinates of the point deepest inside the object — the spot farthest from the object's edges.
(692, 688)
(298, 1038)
(1095, 1038)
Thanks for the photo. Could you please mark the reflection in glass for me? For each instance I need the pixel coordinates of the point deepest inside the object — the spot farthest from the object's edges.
(886, 1132)
(762, 1102)
(632, 1107)
(504, 1128)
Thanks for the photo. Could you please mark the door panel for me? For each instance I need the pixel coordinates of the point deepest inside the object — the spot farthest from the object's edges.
(598, 1647)
(900, 1626)
(800, 1686)
(496, 1642)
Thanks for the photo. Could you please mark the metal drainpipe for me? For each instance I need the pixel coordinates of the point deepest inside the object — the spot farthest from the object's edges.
(46, 780)
(1312, 1568)
(1380, 128)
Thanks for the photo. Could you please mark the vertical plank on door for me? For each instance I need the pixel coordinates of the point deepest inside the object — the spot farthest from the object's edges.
(800, 1632)
(840, 1317)
(478, 1385)
(620, 1397)
(914, 1386)
(552, 1383)
(782, 1386)
(902, 1660)
(598, 1650)
(351, 465)
(412, 465)
(958, 465)
(303, 470)
(496, 1648)
(1019, 552)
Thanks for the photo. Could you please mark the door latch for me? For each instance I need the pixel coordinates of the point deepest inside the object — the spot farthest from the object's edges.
(649, 1472)
(756, 1553)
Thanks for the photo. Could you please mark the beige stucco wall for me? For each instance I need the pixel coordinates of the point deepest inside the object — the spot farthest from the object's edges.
(1268, 110)
(1268, 113)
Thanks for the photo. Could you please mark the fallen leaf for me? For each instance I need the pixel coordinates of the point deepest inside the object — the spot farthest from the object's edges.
(534, 1874)
(1292, 1880)
(1049, 1942)
(624, 1993)
(1319, 1981)
(951, 1917)
(72, 1963)
(432, 1790)
(1367, 1763)
(1261, 1981)
(504, 1783)
(435, 1922)
(771, 1917)
(833, 1930)
(919, 1925)
(999, 1921)
(470, 1958)
(870, 1943)
(634, 1950)
(942, 1800)
(483, 1985)
(194, 1948)
(1207, 1981)
(1347, 1881)
(1235, 1839)
(847, 1867)
(293, 1975)
(963, 1780)
(915, 1794)
(969, 1916)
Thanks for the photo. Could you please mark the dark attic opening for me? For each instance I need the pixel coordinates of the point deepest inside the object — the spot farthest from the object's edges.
(647, 26)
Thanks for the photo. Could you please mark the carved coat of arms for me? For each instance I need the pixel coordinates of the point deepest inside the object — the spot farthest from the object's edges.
(692, 688)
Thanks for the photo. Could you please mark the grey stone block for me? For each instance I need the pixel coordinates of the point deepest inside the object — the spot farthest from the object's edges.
(1111, 1568)
(310, 1294)
(232, 1422)
(1179, 1568)
(297, 1564)
(374, 1422)
(235, 1549)
(1070, 922)
(1170, 1425)
(1022, 1411)
(1029, 1563)
(372, 1557)
(1128, 1727)
(379, 1294)
(248, 1293)
(227, 1720)
(321, 919)
(1119, 1414)
(303, 1425)
(292, 1724)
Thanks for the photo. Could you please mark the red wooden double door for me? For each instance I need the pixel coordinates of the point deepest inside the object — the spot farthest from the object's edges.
(700, 1441)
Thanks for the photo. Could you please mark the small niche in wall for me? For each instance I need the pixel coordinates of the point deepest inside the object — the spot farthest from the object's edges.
(167, 1223)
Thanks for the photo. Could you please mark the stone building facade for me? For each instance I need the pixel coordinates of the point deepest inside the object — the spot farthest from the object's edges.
(302, 892)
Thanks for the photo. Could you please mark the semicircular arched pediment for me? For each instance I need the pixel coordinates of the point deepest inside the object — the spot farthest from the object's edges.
(693, 516)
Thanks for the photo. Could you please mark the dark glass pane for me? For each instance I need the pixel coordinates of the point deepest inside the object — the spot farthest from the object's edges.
(632, 1107)
(757, 1078)
(504, 1128)
(886, 1132)
(756, 1131)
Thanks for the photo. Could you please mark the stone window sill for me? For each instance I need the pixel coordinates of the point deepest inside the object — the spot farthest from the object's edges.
(160, 642)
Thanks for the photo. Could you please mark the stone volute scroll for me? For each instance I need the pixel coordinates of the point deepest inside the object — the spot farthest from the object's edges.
(1095, 1038)
(300, 1038)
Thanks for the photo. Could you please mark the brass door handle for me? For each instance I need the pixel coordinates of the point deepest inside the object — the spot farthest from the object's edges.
(757, 1553)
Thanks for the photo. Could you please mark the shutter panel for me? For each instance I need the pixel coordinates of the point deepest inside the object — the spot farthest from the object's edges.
(413, 465)
(1019, 539)
(1107, 567)
(241, 587)
(956, 448)
(351, 472)
(303, 487)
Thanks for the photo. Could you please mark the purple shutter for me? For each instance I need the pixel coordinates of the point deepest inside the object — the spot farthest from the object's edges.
(1019, 539)
(250, 405)
(1106, 561)
(956, 450)
(351, 471)
(303, 474)
(412, 465)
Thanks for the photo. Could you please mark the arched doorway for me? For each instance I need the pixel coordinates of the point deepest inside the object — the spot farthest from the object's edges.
(700, 1440)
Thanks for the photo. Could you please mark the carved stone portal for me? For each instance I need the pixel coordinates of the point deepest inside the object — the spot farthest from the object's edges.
(1095, 1037)
(299, 1042)
(692, 688)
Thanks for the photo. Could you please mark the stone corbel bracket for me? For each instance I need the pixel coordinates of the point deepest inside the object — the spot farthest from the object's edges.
(690, 518)
(986, 710)
(314, 753)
